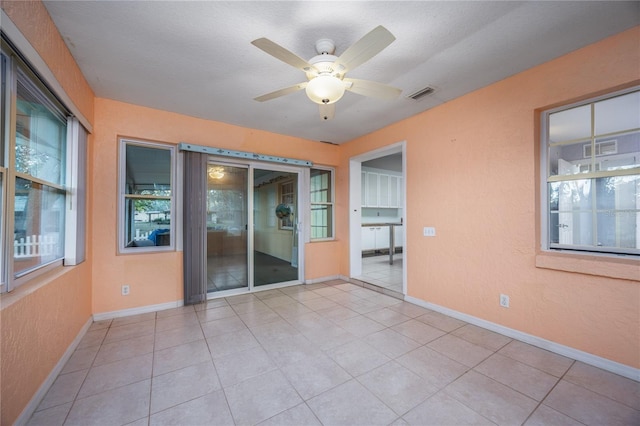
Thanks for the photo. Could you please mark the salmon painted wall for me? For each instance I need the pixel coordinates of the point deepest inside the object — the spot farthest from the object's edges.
(473, 173)
(40, 319)
(39, 322)
(157, 278)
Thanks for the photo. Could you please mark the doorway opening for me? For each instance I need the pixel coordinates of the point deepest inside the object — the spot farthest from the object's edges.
(377, 218)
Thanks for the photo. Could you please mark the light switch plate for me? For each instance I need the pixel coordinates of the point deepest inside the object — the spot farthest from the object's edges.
(429, 231)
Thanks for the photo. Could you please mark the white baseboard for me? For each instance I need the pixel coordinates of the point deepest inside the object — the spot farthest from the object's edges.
(578, 355)
(44, 388)
(323, 279)
(137, 311)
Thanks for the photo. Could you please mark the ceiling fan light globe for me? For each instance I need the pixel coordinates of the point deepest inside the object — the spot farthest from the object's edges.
(325, 89)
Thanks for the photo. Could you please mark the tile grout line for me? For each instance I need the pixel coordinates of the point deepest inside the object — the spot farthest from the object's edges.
(541, 402)
(75, 398)
(153, 362)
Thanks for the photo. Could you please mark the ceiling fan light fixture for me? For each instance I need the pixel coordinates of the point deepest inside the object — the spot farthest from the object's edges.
(325, 89)
(216, 172)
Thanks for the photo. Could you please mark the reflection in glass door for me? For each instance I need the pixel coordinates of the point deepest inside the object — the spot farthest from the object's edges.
(227, 219)
(275, 231)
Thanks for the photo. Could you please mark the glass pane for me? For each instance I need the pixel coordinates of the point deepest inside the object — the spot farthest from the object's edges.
(40, 137)
(570, 159)
(570, 124)
(148, 170)
(3, 105)
(321, 186)
(618, 114)
(321, 226)
(2, 219)
(570, 212)
(148, 222)
(619, 153)
(275, 245)
(227, 219)
(615, 219)
(618, 203)
(39, 225)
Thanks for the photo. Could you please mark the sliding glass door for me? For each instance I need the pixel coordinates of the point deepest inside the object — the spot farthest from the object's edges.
(252, 227)
(275, 231)
(227, 224)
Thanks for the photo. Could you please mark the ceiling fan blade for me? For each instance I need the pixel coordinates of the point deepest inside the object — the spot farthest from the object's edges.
(371, 89)
(283, 54)
(281, 92)
(364, 49)
(327, 111)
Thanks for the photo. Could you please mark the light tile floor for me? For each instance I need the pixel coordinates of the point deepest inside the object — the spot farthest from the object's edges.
(324, 354)
(376, 270)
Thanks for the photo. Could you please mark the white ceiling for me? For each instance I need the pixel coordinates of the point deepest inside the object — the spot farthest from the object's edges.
(196, 57)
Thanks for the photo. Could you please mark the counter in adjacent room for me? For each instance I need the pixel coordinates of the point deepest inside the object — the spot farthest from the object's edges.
(391, 226)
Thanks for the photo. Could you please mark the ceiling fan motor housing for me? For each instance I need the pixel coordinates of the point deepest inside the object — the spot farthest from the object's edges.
(321, 64)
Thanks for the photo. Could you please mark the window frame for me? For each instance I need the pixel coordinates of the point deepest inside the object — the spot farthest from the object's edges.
(330, 203)
(546, 246)
(123, 247)
(16, 67)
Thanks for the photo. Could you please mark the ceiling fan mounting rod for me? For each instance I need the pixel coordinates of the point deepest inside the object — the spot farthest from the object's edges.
(325, 46)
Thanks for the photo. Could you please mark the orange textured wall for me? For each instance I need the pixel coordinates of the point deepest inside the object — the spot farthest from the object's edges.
(472, 173)
(40, 319)
(157, 278)
(322, 259)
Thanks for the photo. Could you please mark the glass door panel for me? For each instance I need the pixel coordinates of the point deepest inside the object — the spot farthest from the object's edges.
(275, 232)
(227, 219)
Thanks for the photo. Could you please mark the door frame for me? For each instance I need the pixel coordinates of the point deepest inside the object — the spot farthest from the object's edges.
(355, 207)
(302, 206)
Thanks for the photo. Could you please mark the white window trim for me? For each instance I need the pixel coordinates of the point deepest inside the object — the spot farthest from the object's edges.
(75, 214)
(332, 204)
(122, 244)
(545, 247)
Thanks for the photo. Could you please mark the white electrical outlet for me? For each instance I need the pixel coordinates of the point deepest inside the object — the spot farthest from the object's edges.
(125, 290)
(429, 231)
(504, 300)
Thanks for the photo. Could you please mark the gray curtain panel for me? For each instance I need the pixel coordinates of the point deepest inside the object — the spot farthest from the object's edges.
(195, 227)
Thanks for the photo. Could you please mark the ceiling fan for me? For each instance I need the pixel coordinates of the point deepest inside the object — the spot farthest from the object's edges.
(326, 73)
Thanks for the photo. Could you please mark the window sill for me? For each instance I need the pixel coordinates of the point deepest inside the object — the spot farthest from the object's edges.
(146, 250)
(602, 266)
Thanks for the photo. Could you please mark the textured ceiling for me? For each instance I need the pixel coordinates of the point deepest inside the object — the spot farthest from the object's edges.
(196, 58)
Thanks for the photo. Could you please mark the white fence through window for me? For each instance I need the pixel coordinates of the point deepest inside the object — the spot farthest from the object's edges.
(35, 246)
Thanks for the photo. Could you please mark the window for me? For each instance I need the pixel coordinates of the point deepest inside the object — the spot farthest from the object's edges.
(35, 140)
(591, 163)
(288, 198)
(321, 196)
(146, 203)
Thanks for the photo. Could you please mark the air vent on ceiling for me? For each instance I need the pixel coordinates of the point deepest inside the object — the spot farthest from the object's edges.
(422, 93)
